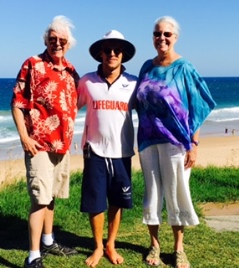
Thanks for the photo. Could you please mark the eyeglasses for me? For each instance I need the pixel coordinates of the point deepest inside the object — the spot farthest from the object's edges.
(108, 50)
(53, 41)
(165, 34)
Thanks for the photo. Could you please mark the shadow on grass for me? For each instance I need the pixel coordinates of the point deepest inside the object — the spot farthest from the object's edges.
(14, 236)
(13, 233)
(168, 258)
(6, 263)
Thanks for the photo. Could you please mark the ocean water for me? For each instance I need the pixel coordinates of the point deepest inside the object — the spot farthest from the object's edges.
(225, 91)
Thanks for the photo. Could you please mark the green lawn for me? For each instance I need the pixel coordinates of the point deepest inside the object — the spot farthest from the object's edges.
(205, 247)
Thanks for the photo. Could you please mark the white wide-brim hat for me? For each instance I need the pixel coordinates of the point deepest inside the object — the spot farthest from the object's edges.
(128, 48)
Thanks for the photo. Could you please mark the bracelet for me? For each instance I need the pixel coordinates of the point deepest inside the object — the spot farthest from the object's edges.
(195, 142)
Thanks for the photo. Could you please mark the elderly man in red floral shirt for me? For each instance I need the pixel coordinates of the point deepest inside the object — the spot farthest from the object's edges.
(44, 110)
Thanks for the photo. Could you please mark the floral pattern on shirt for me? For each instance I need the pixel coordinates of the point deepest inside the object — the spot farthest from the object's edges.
(48, 99)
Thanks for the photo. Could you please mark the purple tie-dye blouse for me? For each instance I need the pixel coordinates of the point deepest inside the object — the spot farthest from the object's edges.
(172, 103)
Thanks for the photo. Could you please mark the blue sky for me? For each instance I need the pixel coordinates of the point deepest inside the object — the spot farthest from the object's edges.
(209, 31)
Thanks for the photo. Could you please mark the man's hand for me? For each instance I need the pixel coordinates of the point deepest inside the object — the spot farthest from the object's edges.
(30, 146)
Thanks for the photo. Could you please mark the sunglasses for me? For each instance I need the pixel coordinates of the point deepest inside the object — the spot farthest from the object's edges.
(53, 41)
(108, 50)
(159, 34)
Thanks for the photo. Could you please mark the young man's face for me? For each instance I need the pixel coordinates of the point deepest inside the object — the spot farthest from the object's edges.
(112, 54)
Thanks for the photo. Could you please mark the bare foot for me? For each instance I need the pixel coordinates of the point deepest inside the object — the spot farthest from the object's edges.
(94, 259)
(113, 256)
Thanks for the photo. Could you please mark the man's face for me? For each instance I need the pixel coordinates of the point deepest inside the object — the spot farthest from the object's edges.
(57, 45)
(112, 54)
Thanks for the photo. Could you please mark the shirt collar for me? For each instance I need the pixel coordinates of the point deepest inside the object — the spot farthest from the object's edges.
(46, 57)
(100, 70)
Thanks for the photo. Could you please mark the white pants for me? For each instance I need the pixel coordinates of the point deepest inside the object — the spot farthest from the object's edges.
(166, 177)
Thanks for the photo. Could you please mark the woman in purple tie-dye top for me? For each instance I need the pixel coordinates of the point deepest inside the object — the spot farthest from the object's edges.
(172, 103)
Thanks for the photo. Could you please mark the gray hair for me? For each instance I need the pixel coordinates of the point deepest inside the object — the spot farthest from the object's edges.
(61, 25)
(171, 21)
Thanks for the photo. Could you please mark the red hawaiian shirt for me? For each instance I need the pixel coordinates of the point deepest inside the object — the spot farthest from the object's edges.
(48, 100)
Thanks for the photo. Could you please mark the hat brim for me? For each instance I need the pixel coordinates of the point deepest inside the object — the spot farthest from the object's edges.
(128, 49)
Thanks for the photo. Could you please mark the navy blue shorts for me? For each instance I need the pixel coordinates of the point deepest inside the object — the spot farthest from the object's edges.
(106, 181)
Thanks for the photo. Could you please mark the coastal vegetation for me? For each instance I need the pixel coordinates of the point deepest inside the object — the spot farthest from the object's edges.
(204, 246)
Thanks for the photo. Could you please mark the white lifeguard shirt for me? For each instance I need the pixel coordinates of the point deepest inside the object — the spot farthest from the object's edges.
(108, 123)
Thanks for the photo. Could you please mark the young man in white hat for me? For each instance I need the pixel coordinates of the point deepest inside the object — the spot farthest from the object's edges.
(107, 141)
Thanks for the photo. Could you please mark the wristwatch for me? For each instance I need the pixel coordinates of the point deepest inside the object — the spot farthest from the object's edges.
(195, 142)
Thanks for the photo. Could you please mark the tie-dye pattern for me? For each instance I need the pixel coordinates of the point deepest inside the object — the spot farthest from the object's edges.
(172, 103)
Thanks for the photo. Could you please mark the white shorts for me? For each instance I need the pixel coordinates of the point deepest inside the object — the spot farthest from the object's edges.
(47, 176)
(166, 177)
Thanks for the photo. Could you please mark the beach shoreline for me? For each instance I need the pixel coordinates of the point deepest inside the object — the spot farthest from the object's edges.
(220, 151)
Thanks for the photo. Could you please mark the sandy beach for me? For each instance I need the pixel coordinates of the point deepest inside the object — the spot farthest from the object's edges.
(218, 151)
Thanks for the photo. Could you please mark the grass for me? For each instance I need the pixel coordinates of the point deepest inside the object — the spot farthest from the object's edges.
(205, 247)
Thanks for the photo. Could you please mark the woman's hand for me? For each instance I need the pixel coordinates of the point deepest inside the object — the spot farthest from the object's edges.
(190, 157)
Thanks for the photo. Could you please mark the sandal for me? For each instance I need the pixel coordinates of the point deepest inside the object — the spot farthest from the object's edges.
(154, 257)
(181, 258)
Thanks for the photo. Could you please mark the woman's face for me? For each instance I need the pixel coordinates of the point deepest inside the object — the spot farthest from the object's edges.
(164, 37)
